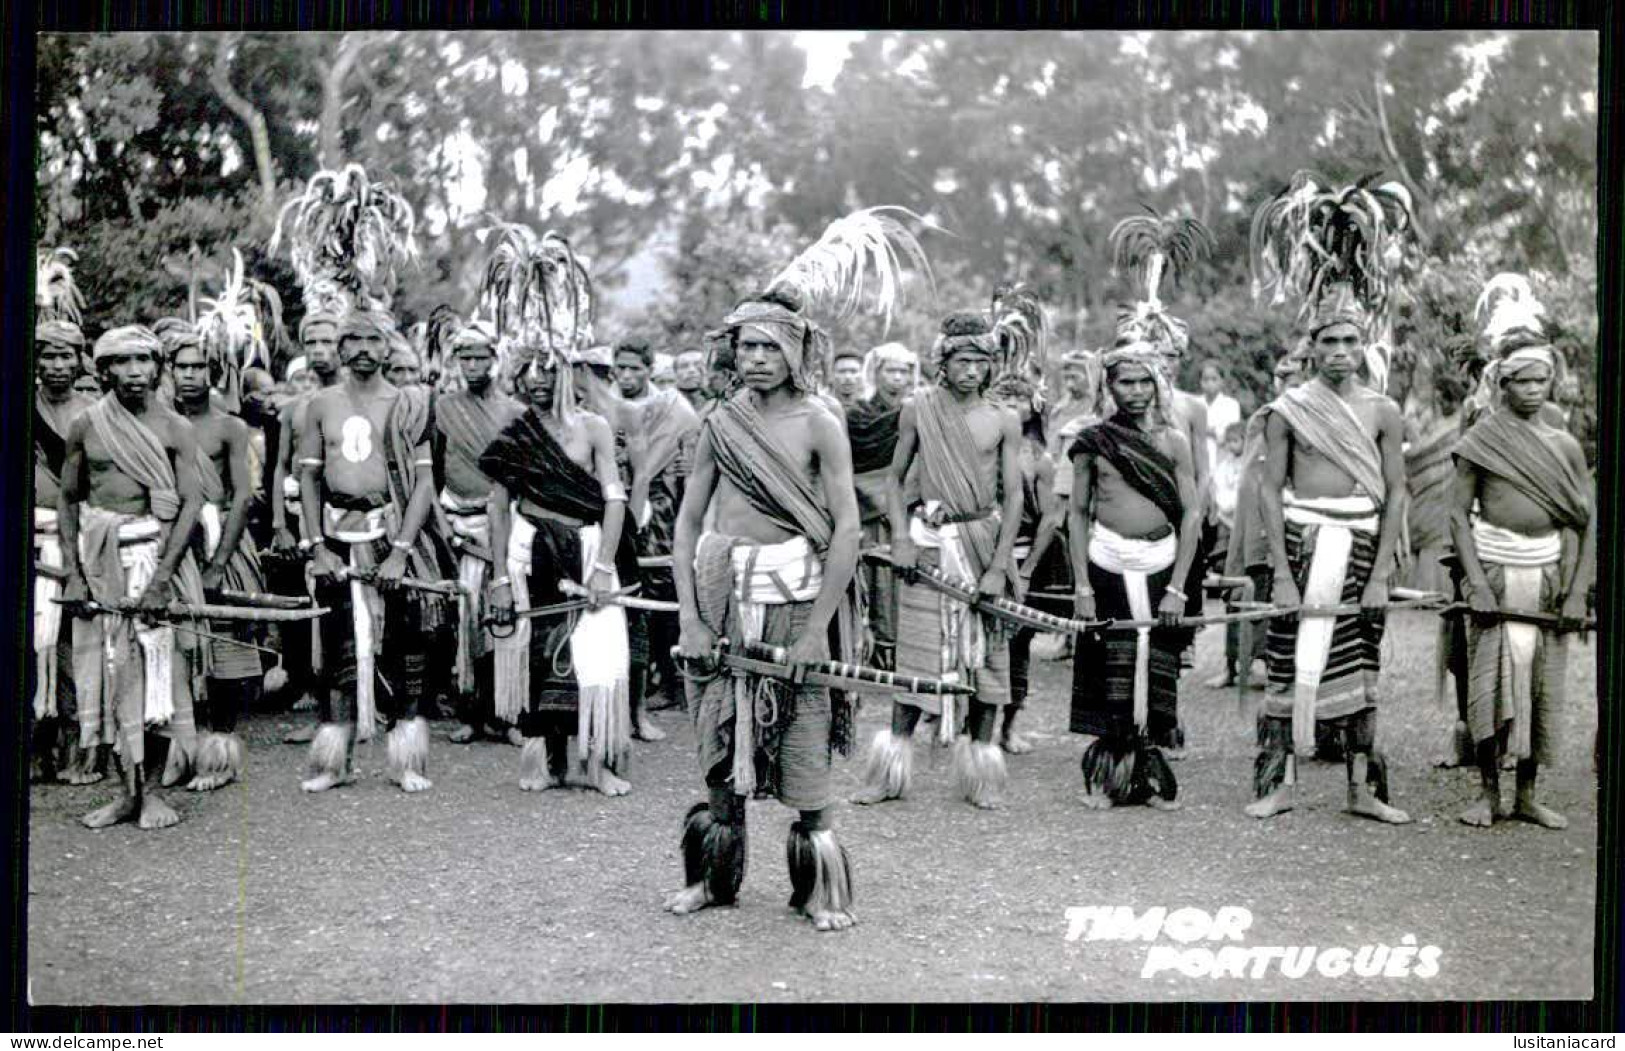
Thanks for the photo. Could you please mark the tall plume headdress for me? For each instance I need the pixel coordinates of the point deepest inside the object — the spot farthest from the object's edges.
(240, 328)
(347, 237)
(540, 299)
(1154, 247)
(56, 295)
(1513, 322)
(868, 246)
(1021, 327)
(1336, 252)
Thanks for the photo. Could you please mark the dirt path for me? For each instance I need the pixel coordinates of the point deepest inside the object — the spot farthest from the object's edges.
(477, 892)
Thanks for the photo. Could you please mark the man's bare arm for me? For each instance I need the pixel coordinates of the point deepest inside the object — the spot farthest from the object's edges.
(1464, 493)
(1079, 518)
(1190, 520)
(183, 449)
(1051, 514)
(702, 483)
(309, 466)
(841, 560)
(603, 448)
(284, 461)
(1277, 460)
(422, 499)
(1010, 479)
(901, 459)
(241, 491)
(1585, 564)
(1390, 443)
(75, 489)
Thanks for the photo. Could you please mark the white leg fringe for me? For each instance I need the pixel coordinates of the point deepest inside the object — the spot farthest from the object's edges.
(980, 771)
(604, 728)
(890, 767)
(330, 751)
(533, 772)
(219, 761)
(275, 680)
(409, 753)
(832, 879)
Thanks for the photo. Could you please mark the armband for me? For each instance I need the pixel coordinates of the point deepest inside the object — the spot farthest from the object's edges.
(614, 491)
(600, 567)
(1082, 592)
(501, 582)
(1176, 593)
(423, 463)
(400, 545)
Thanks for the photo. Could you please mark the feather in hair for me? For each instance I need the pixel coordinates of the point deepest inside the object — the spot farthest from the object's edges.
(1506, 306)
(1154, 246)
(536, 289)
(1310, 237)
(1021, 325)
(235, 328)
(56, 295)
(349, 230)
(832, 272)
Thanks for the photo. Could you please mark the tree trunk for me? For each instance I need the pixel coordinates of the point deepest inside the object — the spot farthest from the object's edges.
(330, 153)
(249, 114)
(1423, 202)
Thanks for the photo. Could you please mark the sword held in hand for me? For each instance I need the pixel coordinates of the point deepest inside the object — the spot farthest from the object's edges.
(1007, 610)
(774, 662)
(190, 611)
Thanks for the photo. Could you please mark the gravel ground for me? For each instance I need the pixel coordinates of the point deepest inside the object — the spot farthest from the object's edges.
(477, 892)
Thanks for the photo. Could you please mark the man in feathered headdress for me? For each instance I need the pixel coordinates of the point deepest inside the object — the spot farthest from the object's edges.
(128, 503)
(367, 491)
(767, 546)
(466, 419)
(1525, 535)
(1333, 490)
(653, 448)
(1132, 525)
(558, 514)
(1332, 502)
(965, 521)
(58, 345)
(221, 546)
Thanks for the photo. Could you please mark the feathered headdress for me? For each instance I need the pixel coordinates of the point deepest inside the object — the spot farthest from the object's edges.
(1336, 251)
(433, 340)
(539, 296)
(1021, 326)
(1513, 322)
(239, 329)
(347, 235)
(1154, 247)
(830, 276)
(56, 296)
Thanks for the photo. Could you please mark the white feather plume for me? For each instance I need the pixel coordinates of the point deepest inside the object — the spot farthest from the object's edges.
(56, 296)
(1506, 305)
(832, 273)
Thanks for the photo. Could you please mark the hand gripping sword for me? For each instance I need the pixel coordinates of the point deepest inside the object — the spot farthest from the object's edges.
(1003, 609)
(774, 662)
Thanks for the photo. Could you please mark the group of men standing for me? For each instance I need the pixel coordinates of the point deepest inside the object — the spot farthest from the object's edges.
(579, 530)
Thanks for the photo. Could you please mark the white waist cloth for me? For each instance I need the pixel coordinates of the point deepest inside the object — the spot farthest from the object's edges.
(1336, 520)
(47, 614)
(964, 637)
(600, 655)
(1135, 560)
(468, 521)
(138, 559)
(765, 575)
(1523, 561)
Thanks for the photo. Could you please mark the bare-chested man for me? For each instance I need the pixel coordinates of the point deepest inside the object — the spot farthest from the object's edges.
(1190, 416)
(1526, 537)
(558, 513)
(767, 544)
(317, 369)
(965, 525)
(465, 422)
(367, 487)
(56, 737)
(1132, 526)
(689, 369)
(128, 504)
(223, 550)
(1331, 501)
(846, 378)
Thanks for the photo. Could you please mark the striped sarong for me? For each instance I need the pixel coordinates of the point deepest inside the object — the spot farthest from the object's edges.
(1325, 668)
(227, 659)
(469, 521)
(1516, 672)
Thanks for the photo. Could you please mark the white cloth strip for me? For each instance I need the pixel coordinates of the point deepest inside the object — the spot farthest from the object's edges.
(1135, 560)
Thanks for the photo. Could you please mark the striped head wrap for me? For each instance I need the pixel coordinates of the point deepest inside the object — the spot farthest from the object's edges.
(59, 333)
(127, 339)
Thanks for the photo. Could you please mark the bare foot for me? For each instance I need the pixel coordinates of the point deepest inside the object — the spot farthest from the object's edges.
(1015, 744)
(1174, 755)
(1097, 801)
(869, 795)
(1364, 804)
(540, 784)
(462, 735)
(829, 919)
(691, 898)
(646, 730)
(415, 782)
(1480, 815)
(1159, 803)
(121, 809)
(82, 773)
(1277, 802)
(1221, 682)
(155, 813)
(300, 735)
(323, 781)
(209, 782)
(1534, 813)
(984, 804)
(516, 738)
(305, 703)
(607, 783)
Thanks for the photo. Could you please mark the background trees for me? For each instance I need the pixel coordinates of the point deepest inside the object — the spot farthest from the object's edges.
(686, 166)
